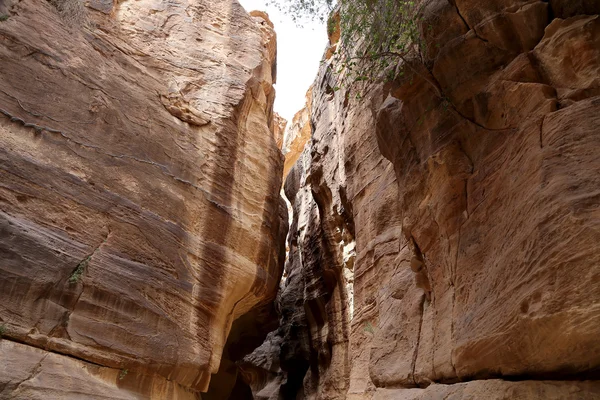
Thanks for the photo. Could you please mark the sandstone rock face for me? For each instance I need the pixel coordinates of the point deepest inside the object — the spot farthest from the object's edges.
(297, 135)
(279, 124)
(497, 390)
(139, 194)
(29, 373)
(446, 224)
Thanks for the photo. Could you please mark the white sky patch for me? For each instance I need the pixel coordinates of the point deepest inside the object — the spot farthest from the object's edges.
(299, 51)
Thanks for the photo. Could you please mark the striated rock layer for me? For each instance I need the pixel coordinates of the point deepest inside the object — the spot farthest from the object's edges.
(297, 135)
(446, 225)
(140, 213)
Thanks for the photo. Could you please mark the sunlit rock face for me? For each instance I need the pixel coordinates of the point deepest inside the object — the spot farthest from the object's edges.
(30, 373)
(297, 134)
(139, 196)
(279, 124)
(469, 189)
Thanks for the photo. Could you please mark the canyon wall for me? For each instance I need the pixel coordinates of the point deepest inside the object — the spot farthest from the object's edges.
(297, 135)
(140, 214)
(445, 227)
(444, 242)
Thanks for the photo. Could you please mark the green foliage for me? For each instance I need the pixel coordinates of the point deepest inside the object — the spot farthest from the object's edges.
(375, 34)
(4, 17)
(76, 275)
(369, 328)
(3, 330)
(386, 26)
(123, 373)
(304, 10)
(331, 25)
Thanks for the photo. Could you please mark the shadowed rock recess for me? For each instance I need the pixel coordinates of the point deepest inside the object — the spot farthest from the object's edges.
(444, 242)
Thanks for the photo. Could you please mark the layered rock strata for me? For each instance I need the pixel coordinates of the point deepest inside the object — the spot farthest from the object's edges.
(279, 125)
(469, 189)
(140, 213)
(297, 134)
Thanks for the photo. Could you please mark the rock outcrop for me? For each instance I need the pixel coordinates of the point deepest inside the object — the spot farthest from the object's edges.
(279, 124)
(140, 214)
(445, 227)
(445, 233)
(296, 136)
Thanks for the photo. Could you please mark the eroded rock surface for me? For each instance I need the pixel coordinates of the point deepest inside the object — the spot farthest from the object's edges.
(29, 373)
(139, 200)
(494, 389)
(297, 134)
(279, 125)
(469, 191)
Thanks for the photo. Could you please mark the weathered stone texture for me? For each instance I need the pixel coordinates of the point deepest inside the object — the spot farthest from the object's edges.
(470, 190)
(497, 390)
(279, 125)
(28, 373)
(297, 134)
(139, 184)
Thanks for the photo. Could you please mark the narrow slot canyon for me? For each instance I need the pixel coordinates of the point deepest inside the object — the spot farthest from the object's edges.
(166, 234)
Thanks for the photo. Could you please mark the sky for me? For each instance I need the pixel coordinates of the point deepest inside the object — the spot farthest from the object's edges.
(299, 52)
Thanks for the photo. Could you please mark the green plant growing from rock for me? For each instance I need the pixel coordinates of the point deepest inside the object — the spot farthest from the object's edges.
(78, 272)
(375, 34)
(81, 267)
(332, 22)
(4, 17)
(123, 373)
(3, 330)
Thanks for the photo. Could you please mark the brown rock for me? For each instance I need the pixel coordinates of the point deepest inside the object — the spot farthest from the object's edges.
(497, 390)
(28, 373)
(139, 203)
(444, 232)
(333, 32)
(569, 57)
(297, 135)
(278, 128)
(571, 8)
(474, 12)
(468, 190)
